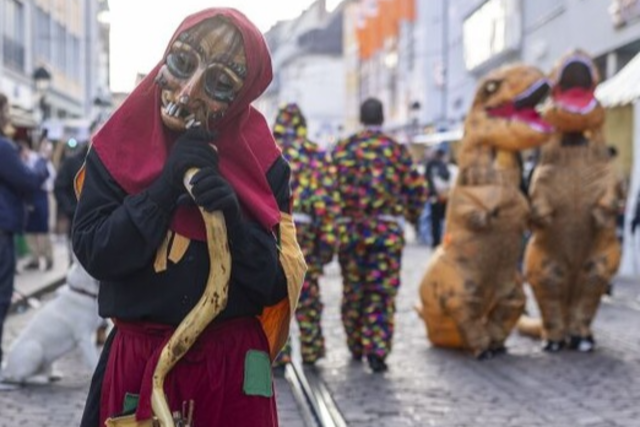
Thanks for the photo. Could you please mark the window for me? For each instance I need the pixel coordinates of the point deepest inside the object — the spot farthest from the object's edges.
(60, 47)
(492, 30)
(43, 35)
(14, 35)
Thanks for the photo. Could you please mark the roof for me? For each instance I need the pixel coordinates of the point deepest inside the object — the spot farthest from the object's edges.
(623, 88)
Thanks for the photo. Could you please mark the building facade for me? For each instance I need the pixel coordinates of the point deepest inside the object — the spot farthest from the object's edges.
(65, 38)
(309, 69)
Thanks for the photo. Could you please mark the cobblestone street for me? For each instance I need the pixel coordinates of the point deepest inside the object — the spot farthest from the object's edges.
(527, 388)
(424, 386)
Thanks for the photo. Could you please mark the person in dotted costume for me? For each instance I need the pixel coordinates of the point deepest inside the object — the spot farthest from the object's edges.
(379, 188)
(314, 212)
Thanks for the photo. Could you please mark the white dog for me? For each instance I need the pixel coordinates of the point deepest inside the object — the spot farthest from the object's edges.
(62, 324)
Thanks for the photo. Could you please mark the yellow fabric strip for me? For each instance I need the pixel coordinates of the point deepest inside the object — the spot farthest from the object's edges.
(160, 263)
(179, 247)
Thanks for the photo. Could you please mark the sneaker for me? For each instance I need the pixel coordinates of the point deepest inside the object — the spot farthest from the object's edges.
(552, 346)
(582, 344)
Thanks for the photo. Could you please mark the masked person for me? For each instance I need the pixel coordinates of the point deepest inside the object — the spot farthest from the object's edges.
(314, 213)
(136, 232)
(378, 187)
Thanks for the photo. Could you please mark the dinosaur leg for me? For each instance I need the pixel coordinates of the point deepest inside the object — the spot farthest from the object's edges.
(549, 281)
(591, 284)
(463, 300)
(352, 300)
(504, 315)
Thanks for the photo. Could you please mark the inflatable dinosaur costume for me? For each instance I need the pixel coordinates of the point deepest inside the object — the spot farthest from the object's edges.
(573, 252)
(472, 292)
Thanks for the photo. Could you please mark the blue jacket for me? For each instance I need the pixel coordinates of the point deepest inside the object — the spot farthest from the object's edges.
(17, 182)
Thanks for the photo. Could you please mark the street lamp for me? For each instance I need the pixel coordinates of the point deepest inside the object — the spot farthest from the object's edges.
(42, 79)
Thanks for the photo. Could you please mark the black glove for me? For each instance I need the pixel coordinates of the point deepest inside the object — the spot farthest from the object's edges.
(191, 150)
(212, 192)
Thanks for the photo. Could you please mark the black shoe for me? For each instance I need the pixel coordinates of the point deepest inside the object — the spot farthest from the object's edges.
(48, 266)
(582, 344)
(552, 346)
(499, 350)
(377, 363)
(485, 355)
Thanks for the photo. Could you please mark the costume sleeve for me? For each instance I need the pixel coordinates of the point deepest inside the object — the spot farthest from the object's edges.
(326, 208)
(16, 174)
(414, 188)
(254, 250)
(115, 234)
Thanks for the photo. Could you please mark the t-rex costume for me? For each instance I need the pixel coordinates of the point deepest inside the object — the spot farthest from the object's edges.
(472, 292)
(574, 251)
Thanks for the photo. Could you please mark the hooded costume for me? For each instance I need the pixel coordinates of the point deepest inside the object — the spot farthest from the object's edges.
(314, 213)
(151, 255)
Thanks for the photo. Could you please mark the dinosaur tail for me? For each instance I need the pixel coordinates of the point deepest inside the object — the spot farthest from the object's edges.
(529, 326)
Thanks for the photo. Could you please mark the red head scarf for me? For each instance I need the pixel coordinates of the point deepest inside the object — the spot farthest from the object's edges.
(134, 144)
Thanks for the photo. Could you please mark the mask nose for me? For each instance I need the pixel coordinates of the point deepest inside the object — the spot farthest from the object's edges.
(189, 92)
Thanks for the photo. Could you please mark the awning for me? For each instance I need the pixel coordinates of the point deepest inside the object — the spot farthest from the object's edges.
(21, 118)
(438, 137)
(623, 88)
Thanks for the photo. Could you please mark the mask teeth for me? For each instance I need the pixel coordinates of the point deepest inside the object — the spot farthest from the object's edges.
(178, 111)
(168, 108)
(190, 123)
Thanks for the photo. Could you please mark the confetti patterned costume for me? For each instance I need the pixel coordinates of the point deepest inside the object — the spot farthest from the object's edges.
(574, 251)
(379, 187)
(472, 292)
(315, 210)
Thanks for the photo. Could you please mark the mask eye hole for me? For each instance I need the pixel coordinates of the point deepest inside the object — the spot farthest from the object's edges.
(222, 84)
(182, 63)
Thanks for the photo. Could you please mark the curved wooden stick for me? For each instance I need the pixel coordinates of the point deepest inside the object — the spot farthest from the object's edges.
(212, 302)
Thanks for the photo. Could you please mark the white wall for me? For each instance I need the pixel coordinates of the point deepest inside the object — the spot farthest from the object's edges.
(317, 84)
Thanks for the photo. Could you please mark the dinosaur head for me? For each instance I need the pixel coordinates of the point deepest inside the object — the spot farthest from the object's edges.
(503, 114)
(573, 106)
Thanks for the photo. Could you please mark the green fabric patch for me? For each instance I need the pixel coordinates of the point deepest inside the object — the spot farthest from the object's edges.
(257, 374)
(130, 403)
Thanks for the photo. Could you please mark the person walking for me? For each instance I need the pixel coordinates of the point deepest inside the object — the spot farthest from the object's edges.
(438, 177)
(39, 211)
(17, 183)
(314, 213)
(379, 187)
(145, 238)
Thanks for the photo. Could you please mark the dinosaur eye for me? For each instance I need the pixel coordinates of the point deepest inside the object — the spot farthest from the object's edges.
(491, 87)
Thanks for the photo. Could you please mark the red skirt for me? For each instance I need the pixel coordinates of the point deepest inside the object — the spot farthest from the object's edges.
(212, 374)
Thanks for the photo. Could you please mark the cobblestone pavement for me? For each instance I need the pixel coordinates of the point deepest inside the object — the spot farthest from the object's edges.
(61, 404)
(526, 388)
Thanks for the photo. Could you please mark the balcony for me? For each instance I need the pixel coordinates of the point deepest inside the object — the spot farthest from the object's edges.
(13, 54)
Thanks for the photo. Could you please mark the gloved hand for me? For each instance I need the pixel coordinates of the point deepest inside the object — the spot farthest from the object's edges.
(191, 150)
(212, 192)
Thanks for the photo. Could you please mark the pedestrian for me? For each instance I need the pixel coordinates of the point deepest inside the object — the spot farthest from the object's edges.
(378, 188)
(439, 182)
(17, 183)
(314, 213)
(137, 231)
(64, 188)
(38, 208)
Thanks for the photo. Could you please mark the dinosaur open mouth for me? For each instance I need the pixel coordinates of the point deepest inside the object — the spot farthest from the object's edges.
(523, 107)
(575, 89)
